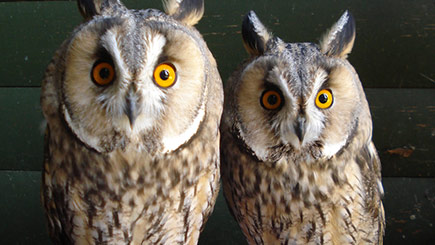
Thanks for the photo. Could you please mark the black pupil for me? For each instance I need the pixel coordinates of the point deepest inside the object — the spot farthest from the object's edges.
(104, 73)
(323, 98)
(272, 99)
(164, 74)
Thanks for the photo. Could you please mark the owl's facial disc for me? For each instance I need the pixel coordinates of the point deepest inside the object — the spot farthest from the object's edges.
(118, 90)
(295, 108)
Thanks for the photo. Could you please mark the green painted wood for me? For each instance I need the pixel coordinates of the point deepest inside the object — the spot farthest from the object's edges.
(393, 49)
(410, 210)
(34, 30)
(221, 228)
(23, 220)
(403, 118)
(409, 205)
(21, 129)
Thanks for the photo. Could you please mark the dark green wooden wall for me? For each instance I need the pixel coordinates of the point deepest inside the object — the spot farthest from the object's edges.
(393, 54)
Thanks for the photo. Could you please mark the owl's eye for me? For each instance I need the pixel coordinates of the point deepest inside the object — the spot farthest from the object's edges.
(165, 75)
(103, 73)
(324, 99)
(271, 100)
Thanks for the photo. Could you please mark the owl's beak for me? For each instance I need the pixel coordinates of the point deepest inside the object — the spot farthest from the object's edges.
(300, 128)
(131, 109)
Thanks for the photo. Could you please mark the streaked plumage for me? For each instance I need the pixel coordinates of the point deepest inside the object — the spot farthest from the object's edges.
(298, 162)
(133, 101)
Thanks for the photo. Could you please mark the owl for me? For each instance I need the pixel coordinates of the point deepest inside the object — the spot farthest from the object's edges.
(133, 102)
(298, 162)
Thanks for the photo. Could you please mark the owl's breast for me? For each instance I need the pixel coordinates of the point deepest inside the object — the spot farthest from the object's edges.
(299, 203)
(130, 194)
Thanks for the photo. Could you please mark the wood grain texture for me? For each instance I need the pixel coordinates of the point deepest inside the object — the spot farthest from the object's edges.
(403, 119)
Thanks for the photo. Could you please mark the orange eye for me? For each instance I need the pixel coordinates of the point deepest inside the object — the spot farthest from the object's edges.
(324, 99)
(271, 99)
(165, 75)
(103, 73)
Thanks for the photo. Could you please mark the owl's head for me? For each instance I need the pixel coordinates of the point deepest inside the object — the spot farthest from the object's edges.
(300, 100)
(135, 76)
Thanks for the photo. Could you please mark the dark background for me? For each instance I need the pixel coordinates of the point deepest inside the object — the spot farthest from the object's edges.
(393, 55)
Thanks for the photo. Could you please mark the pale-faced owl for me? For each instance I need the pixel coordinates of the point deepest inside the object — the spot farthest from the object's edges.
(298, 162)
(133, 102)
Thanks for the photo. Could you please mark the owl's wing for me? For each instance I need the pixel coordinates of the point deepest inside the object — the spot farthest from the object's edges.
(376, 165)
(50, 86)
(55, 230)
(46, 193)
(370, 165)
(226, 144)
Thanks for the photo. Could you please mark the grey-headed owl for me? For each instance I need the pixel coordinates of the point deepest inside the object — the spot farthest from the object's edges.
(298, 162)
(133, 101)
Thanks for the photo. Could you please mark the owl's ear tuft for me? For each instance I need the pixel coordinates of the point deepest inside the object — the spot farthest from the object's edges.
(338, 41)
(90, 8)
(255, 34)
(188, 12)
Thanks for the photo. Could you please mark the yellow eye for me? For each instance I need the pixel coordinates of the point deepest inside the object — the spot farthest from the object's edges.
(324, 99)
(165, 75)
(271, 99)
(103, 73)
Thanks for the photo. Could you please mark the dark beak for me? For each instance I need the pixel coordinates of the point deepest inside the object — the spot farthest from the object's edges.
(131, 109)
(300, 128)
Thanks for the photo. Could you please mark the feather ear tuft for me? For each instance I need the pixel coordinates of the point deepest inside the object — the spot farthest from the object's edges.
(255, 34)
(188, 12)
(90, 8)
(338, 41)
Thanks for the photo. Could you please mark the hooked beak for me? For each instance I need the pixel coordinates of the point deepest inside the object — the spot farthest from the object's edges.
(131, 108)
(300, 128)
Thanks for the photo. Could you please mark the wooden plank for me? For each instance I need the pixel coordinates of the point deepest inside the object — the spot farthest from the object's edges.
(409, 205)
(393, 48)
(410, 210)
(21, 129)
(23, 218)
(403, 118)
(34, 31)
(404, 130)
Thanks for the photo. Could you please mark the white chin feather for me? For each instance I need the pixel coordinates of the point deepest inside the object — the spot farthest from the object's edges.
(172, 142)
(329, 150)
(89, 139)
